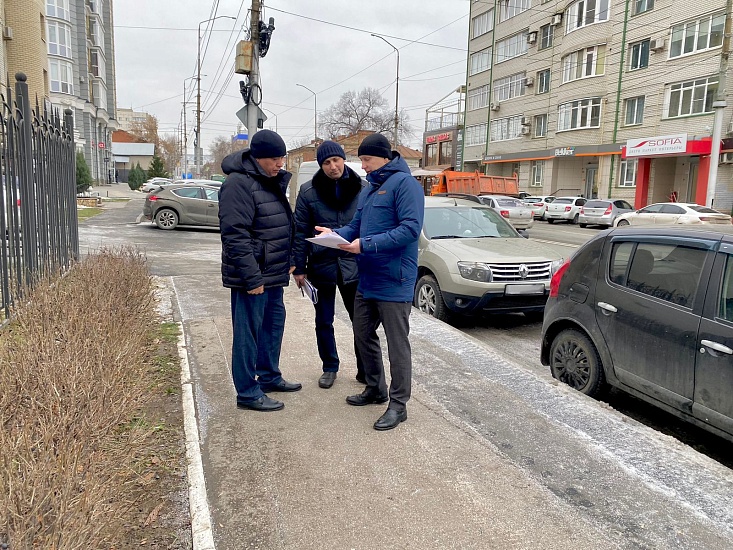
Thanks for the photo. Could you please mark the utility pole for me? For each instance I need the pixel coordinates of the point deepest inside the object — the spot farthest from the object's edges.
(719, 105)
(253, 112)
(397, 90)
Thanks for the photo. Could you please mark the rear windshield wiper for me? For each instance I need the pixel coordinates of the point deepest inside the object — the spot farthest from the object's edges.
(448, 237)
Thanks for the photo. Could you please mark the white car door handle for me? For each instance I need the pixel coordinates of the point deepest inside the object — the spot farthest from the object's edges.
(717, 347)
(607, 307)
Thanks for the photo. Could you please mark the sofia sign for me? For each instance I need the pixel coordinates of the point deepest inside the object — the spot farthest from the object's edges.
(660, 145)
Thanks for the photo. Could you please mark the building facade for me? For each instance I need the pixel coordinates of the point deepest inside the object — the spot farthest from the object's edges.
(585, 97)
(24, 45)
(80, 42)
(127, 119)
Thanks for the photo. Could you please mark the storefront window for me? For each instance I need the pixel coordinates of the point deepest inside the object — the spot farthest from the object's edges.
(431, 154)
(446, 152)
(538, 173)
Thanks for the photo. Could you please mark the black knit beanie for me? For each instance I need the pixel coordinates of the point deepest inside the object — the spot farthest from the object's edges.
(375, 145)
(266, 144)
(329, 149)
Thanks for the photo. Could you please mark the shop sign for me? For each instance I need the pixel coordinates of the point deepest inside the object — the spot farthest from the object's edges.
(488, 158)
(565, 152)
(659, 145)
(439, 137)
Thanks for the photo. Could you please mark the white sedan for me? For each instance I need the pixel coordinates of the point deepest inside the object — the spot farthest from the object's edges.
(670, 213)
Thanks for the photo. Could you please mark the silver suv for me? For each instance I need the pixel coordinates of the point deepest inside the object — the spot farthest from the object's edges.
(472, 260)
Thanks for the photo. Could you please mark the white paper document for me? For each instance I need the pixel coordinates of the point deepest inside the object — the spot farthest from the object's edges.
(330, 240)
(309, 290)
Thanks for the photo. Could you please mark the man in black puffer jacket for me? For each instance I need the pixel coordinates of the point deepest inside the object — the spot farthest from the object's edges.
(328, 200)
(257, 235)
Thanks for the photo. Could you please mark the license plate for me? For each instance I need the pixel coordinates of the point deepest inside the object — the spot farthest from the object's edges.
(513, 290)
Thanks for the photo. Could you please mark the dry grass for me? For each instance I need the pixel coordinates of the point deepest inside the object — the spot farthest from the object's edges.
(79, 366)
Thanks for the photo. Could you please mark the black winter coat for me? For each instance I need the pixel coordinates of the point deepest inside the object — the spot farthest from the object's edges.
(256, 224)
(317, 205)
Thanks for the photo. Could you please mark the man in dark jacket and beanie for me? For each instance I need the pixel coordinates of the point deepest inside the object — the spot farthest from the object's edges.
(328, 200)
(257, 236)
(384, 235)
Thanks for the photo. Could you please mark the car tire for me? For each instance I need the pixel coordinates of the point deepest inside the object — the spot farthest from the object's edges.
(574, 361)
(574, 221)
(622, 223)
(167, 219)
(550, 220)
(583, 225)
(429, 298)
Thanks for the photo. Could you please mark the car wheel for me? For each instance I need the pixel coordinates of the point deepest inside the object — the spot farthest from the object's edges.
(583, 225)
(165, 218)
(622, 223)
(429, 299)
(574, 360)
(550, 220)
(574, 221)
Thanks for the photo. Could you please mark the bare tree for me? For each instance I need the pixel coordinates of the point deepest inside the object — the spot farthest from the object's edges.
(297, 143)
(169, 150)
(220, 147)
(366, 110)
(146, 131)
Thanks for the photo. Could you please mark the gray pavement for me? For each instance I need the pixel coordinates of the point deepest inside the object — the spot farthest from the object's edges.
(491, 456)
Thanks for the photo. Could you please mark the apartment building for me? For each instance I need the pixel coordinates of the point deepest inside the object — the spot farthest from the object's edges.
(80, 41)
(607, 98)
(24, 47)
(128, 118)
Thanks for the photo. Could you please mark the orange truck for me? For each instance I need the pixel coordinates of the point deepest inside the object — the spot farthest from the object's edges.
(474, 183)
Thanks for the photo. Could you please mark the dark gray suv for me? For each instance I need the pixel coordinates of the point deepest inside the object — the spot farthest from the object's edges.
(650, 311)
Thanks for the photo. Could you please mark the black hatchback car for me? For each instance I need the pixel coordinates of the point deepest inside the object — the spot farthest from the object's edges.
(650, 311)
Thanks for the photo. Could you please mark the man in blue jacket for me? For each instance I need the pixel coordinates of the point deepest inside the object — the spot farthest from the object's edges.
(384, 235)
(256, 261)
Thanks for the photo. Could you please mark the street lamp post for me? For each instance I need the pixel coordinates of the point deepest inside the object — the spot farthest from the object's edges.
(274, 116)
(315, 114)
(397, 90)
(197, 154)
(184, 164)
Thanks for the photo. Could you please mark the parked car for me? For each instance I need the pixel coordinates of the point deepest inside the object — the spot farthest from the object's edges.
(183, 204)
(513, 210)
(471, 261)
(650, 311)
(154, 183)
(670, 213)
(602, 212)
(565, 209)
(538, 204)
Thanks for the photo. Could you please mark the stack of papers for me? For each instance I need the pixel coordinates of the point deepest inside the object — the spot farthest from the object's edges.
(309, 290)
(330, 240)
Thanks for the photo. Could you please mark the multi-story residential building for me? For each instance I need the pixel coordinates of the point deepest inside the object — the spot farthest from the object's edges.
(607, 98)
(128, 118)
(80, 41)
(23, 39)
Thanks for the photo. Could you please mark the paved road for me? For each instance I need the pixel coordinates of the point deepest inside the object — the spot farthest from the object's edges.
(494, 454)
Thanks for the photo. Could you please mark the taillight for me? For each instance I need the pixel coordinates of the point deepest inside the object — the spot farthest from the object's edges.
(531, 213)
(153, 198)
(582, 210)
(538, 204)
(17, 202)
(505, 213)
(568, 208)
(557, 277)
(608, 211)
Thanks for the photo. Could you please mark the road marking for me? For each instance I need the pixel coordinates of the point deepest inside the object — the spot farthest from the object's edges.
(556, 243)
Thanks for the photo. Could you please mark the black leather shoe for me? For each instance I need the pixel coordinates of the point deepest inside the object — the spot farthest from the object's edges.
(327, 379)
(366, 398)
(361, 378)
(263, 404)
(390, 419)
(281, 386)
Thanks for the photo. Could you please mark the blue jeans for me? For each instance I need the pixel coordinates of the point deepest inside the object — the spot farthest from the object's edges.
(258, 322)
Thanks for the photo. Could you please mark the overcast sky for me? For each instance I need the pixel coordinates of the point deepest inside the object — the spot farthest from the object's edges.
(156, 45)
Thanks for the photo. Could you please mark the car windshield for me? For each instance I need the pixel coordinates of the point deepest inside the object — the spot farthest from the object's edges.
(597, 204)
(702, 209)
(463, 222)
(563, 201)
(509, 202)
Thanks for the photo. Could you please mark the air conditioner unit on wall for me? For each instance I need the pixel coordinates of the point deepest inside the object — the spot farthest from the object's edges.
(730, 127)
(529, 81)
(525, 130)
(557, 19)
(726, 158)
(494, 107)
(532, 37)
(7, 33)
(656, 45)
(526, 121)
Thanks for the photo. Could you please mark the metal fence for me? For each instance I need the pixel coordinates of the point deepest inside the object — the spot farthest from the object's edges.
(38, 221)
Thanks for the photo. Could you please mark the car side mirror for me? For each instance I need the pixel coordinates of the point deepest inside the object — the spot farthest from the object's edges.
(523, 233)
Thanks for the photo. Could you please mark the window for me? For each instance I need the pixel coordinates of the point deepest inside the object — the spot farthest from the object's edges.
(58, 8)
(627, 173)
(540, 125)
(641, 6)
(94, 32)
(546, 35)
(725, 311)
(583, 113)
(479, 97)
(697, 36)
(211, 194)
(634, 110)
(481, 24)
(59, 39)
(509, 87)
(503, 129)
(668, 272)
(584, 63)
(96, 64)
(512, 46)
(691, 97)
(538, 173)
(446, 152)
(93, 5)
(62, 76)
(188, 192)
(99, 94)
(510, 8)
(431, 154)
(585, 12)
(476, 134)
(480, 61)
(543, 81)
(639, 55)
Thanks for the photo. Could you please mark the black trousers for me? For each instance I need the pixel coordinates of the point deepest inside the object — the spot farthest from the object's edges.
(395, 318)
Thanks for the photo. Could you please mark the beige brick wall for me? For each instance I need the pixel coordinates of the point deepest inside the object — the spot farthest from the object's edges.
(27, 51)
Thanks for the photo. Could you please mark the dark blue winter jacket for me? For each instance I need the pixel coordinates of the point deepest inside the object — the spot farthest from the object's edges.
(388, 222)
(256, 224)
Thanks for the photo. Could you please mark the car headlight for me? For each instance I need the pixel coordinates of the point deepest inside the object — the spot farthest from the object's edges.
(475, 271)
(555, 265)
